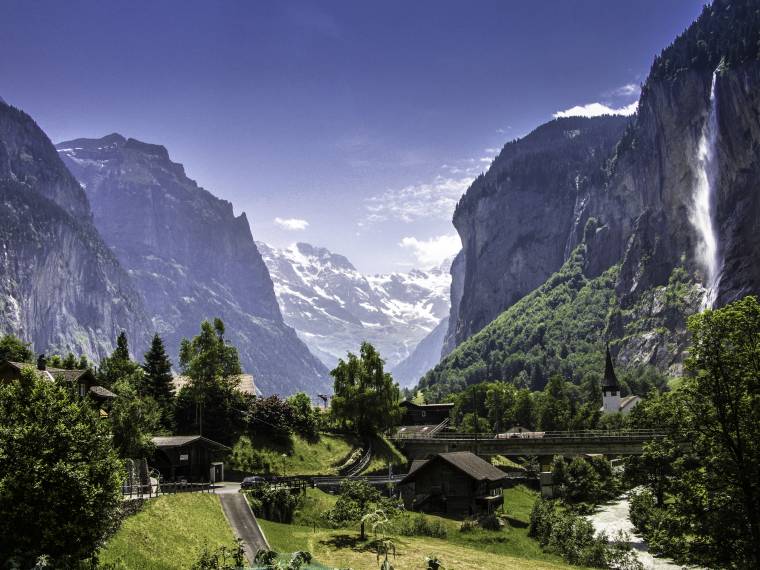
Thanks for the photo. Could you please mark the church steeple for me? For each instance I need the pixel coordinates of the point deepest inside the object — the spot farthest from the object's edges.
(610, 383)
(610, 387)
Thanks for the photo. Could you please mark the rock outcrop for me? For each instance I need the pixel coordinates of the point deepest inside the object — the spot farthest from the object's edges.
(61, 288)
(190, 257)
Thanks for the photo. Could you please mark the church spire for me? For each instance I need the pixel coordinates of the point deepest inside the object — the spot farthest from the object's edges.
(610, 379)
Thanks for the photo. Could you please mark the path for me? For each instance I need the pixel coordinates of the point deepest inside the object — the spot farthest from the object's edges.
(243, 523)
(612, 518)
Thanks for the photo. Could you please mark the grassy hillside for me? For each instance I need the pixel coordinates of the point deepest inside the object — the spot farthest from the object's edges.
(557, 328)
(510, 548)
(169, 533)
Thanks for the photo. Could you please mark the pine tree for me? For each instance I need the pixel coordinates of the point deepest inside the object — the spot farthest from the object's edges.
(157, 382)
(118, 365)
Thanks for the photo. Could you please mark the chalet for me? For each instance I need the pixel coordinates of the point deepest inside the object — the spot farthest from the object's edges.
(611, 400)
(457, 484)
(83, 381)
(424, 414)
(192, 458)
(245, 384)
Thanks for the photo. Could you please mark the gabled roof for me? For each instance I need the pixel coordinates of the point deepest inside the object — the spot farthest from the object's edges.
(166, 442)
(101, 392)
(465, 461)
(246, 383)
(53, 373)
(610, 379)
(442, 406)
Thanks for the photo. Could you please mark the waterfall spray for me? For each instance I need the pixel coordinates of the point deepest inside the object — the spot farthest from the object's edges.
(703, 211)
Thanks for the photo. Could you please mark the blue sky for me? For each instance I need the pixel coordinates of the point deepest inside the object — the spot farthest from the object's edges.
(351, 125)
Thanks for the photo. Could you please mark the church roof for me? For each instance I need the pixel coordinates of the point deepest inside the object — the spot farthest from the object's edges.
(610, 379)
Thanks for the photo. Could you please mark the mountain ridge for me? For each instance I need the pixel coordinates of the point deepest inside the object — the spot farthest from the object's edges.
(190, 257)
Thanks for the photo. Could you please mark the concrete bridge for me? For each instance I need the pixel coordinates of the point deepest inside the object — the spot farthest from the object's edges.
(624, 442)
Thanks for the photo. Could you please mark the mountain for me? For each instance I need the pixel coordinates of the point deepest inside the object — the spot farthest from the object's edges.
(515, 220)
(190, 257)
(425, 355)
(664, 226)
(334, 307)
(61, 288)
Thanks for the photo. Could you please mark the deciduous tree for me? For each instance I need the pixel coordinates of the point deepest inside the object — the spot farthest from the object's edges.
(59, 475)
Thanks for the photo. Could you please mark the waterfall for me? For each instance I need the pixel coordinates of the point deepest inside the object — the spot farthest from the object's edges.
(703, 211)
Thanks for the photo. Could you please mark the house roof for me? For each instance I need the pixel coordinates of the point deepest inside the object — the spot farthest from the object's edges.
(465, 461)
(628, 401)
(166, 442)
(101, 392)
(246, 383)
(52, 373)
(442, 406)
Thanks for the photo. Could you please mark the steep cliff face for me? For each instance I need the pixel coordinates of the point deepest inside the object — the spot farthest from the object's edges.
(668, 229)
(647, 215)
(61, 288)
(515, 220)
(190, 257)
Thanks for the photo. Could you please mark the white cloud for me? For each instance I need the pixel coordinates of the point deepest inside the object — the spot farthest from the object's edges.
(291, 224)
(627, 90)
(435, 200)
(433, 251)
(596, 110)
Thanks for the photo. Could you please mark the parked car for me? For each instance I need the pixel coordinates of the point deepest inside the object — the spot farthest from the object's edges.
(252, 481)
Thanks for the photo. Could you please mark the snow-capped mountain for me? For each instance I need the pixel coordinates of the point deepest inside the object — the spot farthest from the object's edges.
(334, 307)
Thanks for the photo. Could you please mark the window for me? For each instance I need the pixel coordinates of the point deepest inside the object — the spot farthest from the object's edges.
(82, 389)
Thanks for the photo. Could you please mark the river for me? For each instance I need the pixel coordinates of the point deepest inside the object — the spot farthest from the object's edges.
(612, 518)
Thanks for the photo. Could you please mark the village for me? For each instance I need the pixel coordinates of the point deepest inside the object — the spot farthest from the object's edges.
(417, 463)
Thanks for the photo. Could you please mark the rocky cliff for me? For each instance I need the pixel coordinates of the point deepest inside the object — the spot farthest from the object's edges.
(665, 221)
(61, 288)
(190, 257)
(515, 220)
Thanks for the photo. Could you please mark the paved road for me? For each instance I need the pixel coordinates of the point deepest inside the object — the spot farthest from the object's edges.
(243, 523)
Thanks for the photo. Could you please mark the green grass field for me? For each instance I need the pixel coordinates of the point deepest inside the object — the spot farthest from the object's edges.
(477, 549)
(169, 533)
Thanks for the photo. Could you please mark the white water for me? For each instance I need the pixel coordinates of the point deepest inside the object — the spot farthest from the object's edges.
(613, 518)
(703, 210)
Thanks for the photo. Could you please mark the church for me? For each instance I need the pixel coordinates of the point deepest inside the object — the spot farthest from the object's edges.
(611, 400)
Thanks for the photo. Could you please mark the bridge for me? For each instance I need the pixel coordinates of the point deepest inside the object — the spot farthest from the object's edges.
(421, 445)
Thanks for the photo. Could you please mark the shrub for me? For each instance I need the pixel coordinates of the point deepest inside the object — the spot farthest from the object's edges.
(222, 558)
(420, 525)
(274, 504)
(490, 522)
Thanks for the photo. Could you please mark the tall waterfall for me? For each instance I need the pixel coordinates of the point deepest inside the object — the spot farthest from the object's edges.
(703, 211)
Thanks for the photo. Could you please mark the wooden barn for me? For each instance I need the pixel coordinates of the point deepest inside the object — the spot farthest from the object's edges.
(189, 458)
(457, 484)
(424, 414)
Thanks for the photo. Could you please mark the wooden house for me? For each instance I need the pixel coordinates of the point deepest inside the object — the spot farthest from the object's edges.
(82, 381)
(457, 484)
(424, 414)
(189, 458)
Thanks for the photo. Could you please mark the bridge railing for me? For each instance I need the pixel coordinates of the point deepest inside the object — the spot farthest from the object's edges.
(635, 434)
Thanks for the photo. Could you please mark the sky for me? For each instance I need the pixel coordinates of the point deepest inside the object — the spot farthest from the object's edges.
(350, 125)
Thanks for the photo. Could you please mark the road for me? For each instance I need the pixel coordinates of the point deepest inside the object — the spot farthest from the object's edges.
(243, 523)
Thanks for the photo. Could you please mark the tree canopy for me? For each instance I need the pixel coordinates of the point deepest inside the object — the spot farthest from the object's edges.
(59, 474)
(365, 396)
